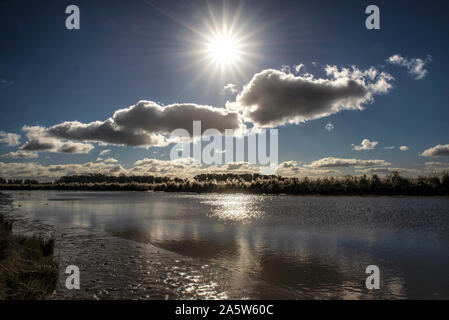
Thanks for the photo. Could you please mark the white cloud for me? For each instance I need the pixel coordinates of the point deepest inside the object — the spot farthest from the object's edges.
(298, 67)
(11, 139)
(49, 172)
(389, 148)
(390, 170)
(20, 154)
(103, 152)
(329, 127)
(274, 97)
(436, 164)
(403, 148)
(437, 151)
(332, 162)
(365, 145)
(111, 160)
(230, 88)
(414, 66)
(286, 69)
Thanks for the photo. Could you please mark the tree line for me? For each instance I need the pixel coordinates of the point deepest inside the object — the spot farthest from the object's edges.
(392, 184)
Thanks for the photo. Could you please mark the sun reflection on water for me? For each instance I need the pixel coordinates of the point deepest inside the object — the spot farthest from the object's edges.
(235, 207)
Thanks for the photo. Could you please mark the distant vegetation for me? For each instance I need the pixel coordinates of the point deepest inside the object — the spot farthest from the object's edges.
(392, 184)
(27, 266)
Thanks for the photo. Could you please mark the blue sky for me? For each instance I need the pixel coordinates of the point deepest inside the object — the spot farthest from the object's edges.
(142, 50)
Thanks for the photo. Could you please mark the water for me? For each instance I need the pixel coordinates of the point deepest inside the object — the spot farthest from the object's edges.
(154, 245)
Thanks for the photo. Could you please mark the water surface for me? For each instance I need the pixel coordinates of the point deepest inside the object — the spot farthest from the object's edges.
(170, 245)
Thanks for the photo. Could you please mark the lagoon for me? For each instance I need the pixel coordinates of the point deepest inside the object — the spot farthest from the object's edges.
(156, 245)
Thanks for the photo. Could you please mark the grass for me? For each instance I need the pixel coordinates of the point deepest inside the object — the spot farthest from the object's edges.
(28, 270)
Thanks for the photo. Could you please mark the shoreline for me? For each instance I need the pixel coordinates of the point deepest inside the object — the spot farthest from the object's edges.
(159, 188)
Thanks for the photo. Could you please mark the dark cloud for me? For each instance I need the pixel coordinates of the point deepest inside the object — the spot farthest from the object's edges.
(39, 140)
(147, 124)
(107, 132)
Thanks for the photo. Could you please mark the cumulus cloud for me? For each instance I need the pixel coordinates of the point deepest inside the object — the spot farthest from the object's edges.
(152, 118)
(49, 172)
(147, 124)
(329, 126)
(11, 139)
(365, 145)
(437, 151)
(184, 168)
(274, 97)
(389, 148)
(179, 167)
(39, 140)
(332, 162)
(20, 154)
(230, 88)
(414, 66)
(294, 168)
(403, 148)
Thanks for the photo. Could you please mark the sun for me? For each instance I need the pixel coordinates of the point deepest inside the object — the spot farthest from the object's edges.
(224, 49)
(220, 45)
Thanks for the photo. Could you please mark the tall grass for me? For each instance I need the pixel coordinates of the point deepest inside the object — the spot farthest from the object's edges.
(27, 266)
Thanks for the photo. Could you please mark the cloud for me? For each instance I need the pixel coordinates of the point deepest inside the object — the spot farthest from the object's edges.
(5, 83)
(49, 172)
(152, 118)
(111, 160)
(11, 139)
(329, 127)
(179, 168)
(385, 171)
(230, 88)
(365, 145)
(298, 67)
(20, 154)
(39, 140)
(332, 162)
(389, 148)
(437, 151)
(436, 164)
(403, 148)
(414, 66)
(103, 152)
(147, 124)
(274, 97)
(286, 69)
